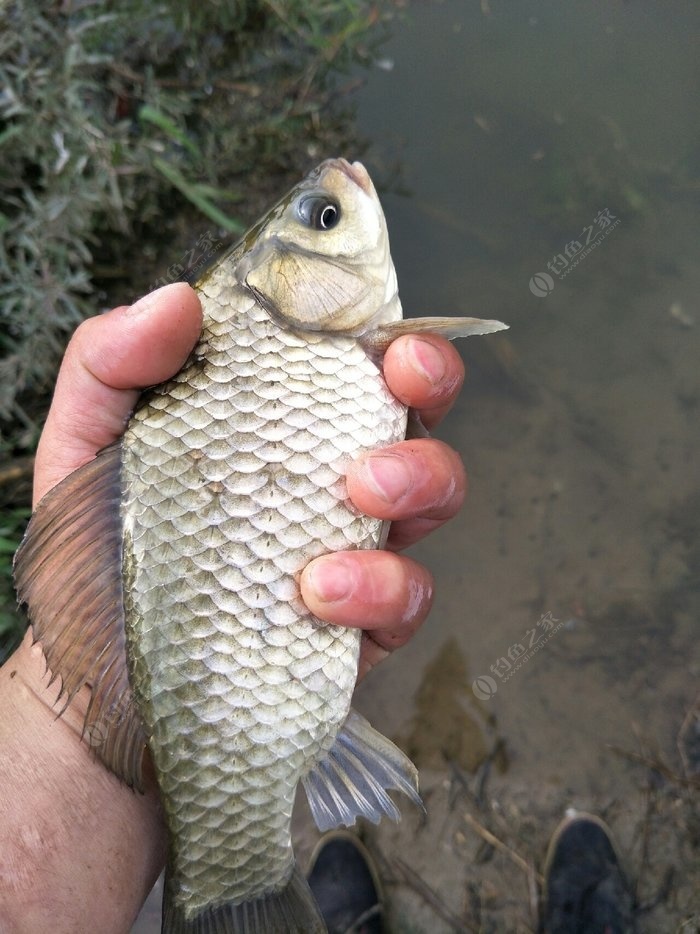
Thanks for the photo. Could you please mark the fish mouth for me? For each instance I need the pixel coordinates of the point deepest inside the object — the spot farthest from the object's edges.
(355, 171)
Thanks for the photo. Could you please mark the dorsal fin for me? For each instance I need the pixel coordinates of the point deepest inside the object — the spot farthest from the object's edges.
(68, 574)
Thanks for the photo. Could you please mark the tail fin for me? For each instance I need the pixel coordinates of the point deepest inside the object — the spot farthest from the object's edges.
(291, 910)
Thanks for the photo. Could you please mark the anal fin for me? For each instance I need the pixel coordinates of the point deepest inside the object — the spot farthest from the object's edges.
(68, 574)
(353, 779)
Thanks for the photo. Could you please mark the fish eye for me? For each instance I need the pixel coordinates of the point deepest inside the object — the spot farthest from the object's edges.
(319, 212)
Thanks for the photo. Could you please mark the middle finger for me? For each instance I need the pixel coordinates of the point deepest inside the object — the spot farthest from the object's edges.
(419, 484)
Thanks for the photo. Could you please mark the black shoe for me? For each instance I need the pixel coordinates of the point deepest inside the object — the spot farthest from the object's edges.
(345, 884)
(585, 889)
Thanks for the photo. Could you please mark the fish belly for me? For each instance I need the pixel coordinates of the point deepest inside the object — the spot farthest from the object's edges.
(234, 480)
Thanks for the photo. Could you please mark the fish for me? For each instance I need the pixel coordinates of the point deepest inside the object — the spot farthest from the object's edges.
(164, 574)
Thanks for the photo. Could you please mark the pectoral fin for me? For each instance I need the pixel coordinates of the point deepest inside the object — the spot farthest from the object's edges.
(68, 573)
(353, 779)
(415, 427)
(451, 328)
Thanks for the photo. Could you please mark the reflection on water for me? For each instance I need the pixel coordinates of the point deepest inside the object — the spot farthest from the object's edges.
(450, 723)
(506, 134)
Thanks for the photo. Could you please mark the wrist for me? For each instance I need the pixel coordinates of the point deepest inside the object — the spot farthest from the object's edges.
(78, 849)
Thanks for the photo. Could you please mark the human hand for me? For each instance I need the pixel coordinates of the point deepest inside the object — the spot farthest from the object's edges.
(416, 484)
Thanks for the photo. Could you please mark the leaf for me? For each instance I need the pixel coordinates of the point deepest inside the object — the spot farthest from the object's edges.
(193, 192)
(148, 114)
(9, 133)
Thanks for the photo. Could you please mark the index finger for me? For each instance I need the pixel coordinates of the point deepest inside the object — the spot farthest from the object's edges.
(426, 373)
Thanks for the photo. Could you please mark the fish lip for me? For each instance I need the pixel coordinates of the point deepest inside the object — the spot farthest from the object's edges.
(355, 171)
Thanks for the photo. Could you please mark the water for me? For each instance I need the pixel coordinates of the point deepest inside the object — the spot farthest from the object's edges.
(504, 133)
(507, 132)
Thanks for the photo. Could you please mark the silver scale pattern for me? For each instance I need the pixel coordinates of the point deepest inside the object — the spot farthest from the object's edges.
(234, 474)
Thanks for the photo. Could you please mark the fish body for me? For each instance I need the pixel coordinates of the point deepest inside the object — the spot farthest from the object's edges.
(229, 479)
(232, 486)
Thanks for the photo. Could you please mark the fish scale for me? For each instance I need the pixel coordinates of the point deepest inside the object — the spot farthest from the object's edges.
(317, 402)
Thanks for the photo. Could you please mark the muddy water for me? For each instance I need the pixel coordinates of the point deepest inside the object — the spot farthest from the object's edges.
(541, 163)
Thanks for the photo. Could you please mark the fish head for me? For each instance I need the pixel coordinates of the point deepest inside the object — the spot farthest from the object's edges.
(320, 259)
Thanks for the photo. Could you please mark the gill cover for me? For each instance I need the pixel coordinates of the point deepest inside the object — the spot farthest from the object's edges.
(320, 260)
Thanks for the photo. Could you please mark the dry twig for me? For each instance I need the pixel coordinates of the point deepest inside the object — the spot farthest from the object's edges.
(691, 714)
(18, 470)
(430, 896)
(657, 764)
(520, 861)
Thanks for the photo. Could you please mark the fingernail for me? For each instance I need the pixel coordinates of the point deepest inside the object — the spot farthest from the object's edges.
(146, 302)
(139, 307)
(427, 360)
(331, 579)
(387, 475)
